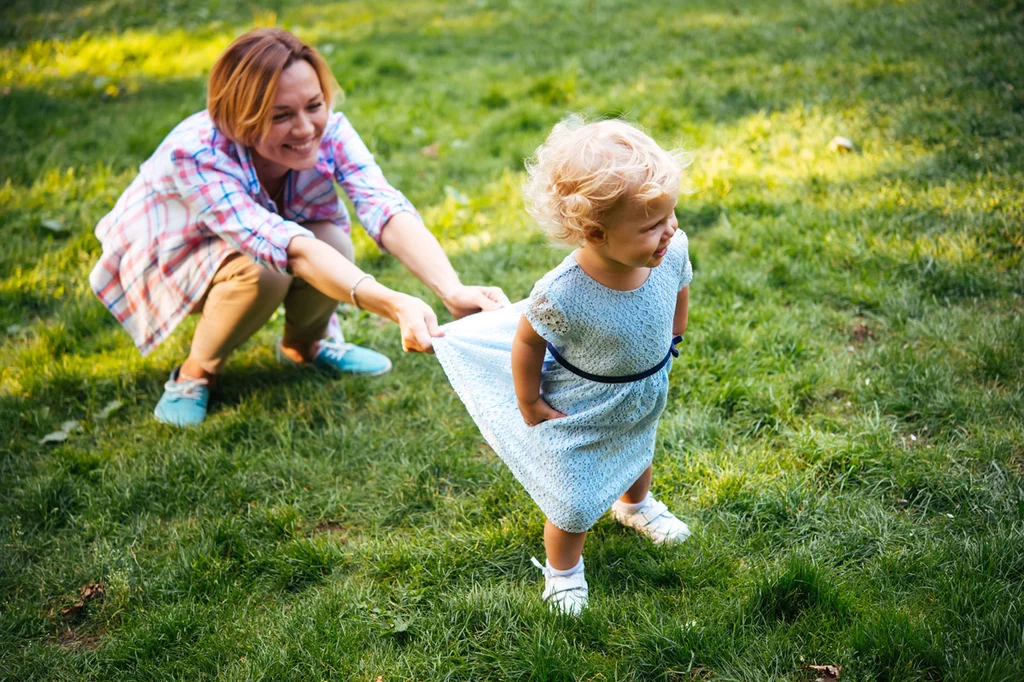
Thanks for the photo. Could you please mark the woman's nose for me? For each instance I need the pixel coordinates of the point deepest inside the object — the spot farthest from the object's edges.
(303, 125)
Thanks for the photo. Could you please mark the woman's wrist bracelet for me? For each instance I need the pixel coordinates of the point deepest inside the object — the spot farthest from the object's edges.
(352, 291)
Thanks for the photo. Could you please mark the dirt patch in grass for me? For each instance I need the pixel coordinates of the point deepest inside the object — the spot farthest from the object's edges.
(332, 527)
(72, 640)
(861, 333)
(70, 610)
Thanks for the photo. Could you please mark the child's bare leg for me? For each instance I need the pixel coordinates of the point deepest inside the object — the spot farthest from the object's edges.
(638, 509)
(638, 491)
(565, 588)
(564, 549)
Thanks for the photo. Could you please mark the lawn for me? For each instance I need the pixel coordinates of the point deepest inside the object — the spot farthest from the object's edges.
(845, 428)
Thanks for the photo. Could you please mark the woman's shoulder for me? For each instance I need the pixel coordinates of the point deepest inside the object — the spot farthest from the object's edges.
(196, 134)
(339, 130)
(196, 142)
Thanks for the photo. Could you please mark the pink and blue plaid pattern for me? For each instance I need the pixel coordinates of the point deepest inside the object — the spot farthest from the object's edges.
(197, 200)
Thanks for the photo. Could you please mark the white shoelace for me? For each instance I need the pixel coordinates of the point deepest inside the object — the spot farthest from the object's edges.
(334, 350)
(189, 388)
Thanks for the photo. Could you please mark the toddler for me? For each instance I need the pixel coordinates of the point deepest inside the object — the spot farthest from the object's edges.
(568, 385)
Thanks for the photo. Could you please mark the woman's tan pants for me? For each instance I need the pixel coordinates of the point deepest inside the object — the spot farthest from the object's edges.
(244, 295)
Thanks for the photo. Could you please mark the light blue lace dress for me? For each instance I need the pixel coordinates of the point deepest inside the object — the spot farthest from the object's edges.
(576, 467)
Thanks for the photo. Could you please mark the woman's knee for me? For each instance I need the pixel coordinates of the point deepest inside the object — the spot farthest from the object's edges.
(250, 284)
(328, 232)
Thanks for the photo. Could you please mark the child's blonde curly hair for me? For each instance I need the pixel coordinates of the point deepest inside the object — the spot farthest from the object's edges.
(584, 169)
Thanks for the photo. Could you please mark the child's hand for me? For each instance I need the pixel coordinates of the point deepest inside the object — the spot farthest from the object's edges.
(538, 411)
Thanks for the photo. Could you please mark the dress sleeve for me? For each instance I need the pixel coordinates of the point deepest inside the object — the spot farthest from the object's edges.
(355, 169)
(215, 197)
(680, 244)
(546, 315)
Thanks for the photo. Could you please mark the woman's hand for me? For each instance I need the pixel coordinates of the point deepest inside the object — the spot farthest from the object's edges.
(418, 323)
(466, 300)
(537, 411)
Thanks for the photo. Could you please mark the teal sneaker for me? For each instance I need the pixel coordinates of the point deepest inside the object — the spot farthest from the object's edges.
(183, 402)
(347, 358)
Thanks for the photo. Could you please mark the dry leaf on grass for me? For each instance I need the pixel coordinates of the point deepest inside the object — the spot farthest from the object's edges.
(861, 333)
(842, 144)
(88, 592)
(431, 151)
(107, 410)
(826, 673)
(55, 437)
(92, 591)
(53, 225)
(65, 430)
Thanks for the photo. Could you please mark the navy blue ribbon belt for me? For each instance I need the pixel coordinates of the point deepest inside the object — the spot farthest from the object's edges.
(673, 352)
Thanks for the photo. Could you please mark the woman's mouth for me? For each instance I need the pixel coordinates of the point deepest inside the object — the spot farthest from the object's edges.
(303, 148)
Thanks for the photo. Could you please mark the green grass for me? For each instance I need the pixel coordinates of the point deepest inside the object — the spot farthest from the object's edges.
(844, 431)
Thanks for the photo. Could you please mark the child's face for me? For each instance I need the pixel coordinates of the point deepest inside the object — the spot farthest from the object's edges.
(636, 235)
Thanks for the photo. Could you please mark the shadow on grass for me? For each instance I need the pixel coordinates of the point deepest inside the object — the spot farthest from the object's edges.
(47, 130)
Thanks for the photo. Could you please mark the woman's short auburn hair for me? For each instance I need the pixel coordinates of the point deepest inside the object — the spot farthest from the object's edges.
(243, 82)
(584, 169)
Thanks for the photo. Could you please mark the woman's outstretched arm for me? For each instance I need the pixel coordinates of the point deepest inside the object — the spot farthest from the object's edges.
(418, 250)
(332, 274)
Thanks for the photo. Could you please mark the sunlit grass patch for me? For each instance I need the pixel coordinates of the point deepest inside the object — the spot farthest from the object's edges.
(111, 65)
(843, 432)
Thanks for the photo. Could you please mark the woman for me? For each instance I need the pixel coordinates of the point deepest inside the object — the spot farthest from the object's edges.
(236, 212)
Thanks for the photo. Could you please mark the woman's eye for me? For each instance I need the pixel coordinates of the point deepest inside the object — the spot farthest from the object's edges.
(280, 117)
(314, 107)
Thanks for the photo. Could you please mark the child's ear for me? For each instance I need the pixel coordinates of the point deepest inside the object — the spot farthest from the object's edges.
(595, 235)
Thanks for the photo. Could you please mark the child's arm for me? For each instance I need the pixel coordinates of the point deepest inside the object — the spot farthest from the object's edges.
(680, 319)
(527, 359)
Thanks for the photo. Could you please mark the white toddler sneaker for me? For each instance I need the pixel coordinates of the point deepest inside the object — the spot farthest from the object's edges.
(653, 519)
(566, 594)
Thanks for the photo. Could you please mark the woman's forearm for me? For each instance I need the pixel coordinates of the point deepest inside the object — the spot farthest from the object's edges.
(405, 237)
(332, 274)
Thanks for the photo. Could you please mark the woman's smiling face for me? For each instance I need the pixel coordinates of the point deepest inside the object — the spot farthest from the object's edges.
(298, 118)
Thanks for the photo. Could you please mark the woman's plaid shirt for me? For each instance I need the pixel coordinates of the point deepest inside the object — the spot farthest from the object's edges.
(197, 200)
